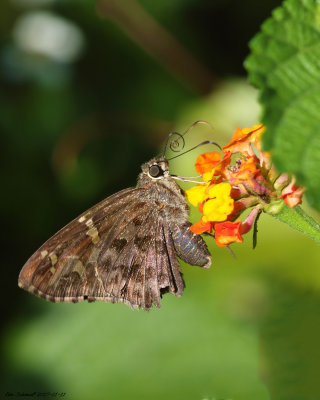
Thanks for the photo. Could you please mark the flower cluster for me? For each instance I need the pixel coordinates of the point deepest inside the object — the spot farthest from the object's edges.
(242, 178)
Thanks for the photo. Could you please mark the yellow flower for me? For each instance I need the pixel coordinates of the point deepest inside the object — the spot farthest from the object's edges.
(197, 194)
(207, 176)
(220, 203)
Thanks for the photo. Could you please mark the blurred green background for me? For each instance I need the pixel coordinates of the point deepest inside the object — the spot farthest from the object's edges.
(89, 91)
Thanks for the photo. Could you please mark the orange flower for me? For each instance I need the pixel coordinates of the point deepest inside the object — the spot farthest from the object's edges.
(211, 164)
(201, 227)
(227, 232)
(207, 161)
(223, 164)
(247, 170)
(243, 179)
(242, 139)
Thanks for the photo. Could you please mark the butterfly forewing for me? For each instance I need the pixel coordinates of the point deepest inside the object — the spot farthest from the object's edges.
(75, 248)
(117, 261)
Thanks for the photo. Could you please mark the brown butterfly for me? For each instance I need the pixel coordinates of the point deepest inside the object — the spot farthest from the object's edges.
(124, 249)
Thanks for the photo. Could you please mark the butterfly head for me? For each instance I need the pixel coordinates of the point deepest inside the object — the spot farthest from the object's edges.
(156, 169)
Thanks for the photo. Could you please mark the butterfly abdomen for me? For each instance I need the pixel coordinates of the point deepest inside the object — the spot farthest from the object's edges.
(190, 247)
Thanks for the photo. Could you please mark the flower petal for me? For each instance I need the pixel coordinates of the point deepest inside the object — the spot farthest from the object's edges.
(292, 194)
(242, 139)
(220, 204)
(201, 227)
(245, 171)
(221, 190)
(207, 161)
(196, 194)
(227, 232)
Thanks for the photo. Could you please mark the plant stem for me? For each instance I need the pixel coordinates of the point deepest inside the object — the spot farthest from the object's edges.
(158, 42)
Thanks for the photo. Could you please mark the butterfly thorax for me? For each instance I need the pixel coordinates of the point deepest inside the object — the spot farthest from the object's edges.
(161, 189)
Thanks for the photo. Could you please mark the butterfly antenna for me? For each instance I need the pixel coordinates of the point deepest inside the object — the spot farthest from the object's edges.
(195, 147)
(200, 122)
(175, 144)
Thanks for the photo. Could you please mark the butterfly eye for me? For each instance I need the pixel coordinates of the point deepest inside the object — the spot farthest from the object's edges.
(155, 171)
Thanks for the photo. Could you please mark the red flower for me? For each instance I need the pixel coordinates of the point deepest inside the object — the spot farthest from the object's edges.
(292, 194)
(227, 232)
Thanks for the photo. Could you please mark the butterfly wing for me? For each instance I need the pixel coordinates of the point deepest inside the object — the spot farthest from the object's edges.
(117, 251)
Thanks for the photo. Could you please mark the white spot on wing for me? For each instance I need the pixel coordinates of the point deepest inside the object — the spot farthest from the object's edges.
(79, 267)
(93, 233)
(54, 258)
(44, 253)
(89, 223)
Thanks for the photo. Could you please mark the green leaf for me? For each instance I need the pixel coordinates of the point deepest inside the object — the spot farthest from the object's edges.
(297, 219)
(285, 66)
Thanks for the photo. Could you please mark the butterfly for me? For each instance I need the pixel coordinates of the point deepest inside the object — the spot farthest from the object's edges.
(122, 250)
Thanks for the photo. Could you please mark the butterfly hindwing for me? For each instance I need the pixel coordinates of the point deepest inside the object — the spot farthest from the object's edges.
(134, 276)
(121, 255)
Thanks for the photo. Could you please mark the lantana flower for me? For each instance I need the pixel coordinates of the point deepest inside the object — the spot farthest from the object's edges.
(242, 178)
(219, 203)
(292, 194)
